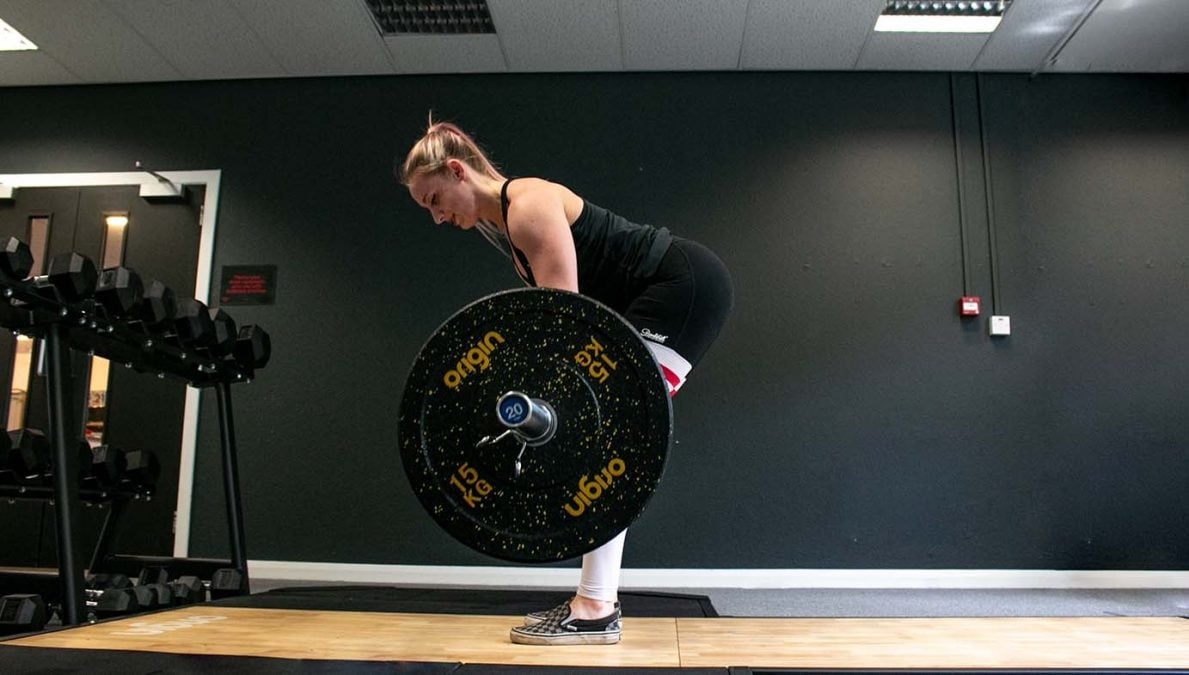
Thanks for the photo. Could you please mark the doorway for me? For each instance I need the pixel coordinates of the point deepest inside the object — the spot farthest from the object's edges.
(114, 219)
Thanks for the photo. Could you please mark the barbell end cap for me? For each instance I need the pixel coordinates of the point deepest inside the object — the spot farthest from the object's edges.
(509, 420)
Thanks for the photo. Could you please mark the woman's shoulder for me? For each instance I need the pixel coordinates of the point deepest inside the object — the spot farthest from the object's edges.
(537, 187)
(537, 194)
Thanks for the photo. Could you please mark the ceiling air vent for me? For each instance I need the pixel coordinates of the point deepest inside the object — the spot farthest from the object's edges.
(443, 17)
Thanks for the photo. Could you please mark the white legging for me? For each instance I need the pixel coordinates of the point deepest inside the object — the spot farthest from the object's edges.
(600, 571)
(600, 567)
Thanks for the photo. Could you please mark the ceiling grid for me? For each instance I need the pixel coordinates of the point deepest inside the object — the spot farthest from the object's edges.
(106, 41)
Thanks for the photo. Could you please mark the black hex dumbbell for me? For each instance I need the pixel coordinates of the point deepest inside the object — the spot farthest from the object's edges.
(193, 324)
(141, 472)
(113, 602)
(156, 579)
(22, 613)
(104, 580)
(225, 333)
(70, 278)
(27, 457)
(253, 347)
(119, 291)
(113, 594)
(30, 458)
(104, 468)
(142, 597)
(188, 590)
(227, 582)
(124, 295)
(158, 305)
(151, 315)
(199, 327)
(16, 259)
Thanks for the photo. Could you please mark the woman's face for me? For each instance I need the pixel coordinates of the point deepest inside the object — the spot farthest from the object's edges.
(447, 195)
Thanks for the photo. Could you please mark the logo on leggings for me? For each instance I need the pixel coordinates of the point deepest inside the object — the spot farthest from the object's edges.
(653, 336)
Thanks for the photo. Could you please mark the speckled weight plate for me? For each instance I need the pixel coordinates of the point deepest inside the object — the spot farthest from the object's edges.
(575, 492)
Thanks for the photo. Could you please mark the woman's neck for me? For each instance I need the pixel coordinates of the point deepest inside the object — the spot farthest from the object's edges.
(490, 206)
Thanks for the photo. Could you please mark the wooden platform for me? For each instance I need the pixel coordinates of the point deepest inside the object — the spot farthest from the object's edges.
(1109, 642)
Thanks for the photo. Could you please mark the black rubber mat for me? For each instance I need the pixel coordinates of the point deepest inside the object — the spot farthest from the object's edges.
(42, 661)
(459, 601)
(488, 669)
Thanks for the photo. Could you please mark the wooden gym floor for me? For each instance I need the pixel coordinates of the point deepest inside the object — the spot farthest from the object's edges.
(915, 643)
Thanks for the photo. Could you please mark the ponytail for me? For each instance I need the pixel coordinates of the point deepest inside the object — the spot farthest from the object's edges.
(443, 141)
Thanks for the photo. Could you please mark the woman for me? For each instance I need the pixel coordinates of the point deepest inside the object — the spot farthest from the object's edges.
(676, 292)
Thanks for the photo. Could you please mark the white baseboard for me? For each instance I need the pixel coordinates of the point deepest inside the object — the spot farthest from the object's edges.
(675, 579)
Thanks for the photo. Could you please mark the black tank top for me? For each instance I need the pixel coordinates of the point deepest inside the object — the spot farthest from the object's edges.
(614, 253)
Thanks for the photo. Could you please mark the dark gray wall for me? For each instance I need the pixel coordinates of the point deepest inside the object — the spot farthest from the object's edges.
(846, 418)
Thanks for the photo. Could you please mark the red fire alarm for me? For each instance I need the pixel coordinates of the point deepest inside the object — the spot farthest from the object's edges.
(969, 305)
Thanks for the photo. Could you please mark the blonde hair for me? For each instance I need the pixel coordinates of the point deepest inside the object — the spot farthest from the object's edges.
(443, 141)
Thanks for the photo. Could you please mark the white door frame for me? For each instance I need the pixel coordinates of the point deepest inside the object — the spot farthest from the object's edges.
(202, 283)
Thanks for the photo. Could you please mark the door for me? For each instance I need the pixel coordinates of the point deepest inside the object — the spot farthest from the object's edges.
(113, 404)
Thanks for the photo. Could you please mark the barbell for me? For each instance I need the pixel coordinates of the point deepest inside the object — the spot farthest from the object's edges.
(534, 425)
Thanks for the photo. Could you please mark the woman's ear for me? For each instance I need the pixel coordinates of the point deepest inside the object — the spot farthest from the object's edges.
(457, 168)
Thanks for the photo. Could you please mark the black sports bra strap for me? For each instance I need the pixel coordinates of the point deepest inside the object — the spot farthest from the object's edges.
(519, 261)
(504, 201)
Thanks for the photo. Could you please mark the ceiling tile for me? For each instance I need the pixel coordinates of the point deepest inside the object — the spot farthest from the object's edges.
(1028, 32)
(683, 34)
(1130, 36)
(921, 51)
(807, 34)
(202, 39)
(446, 53)
(88, 39)
(19, 69)
(558, 35)
(318, 37)
(97, 41)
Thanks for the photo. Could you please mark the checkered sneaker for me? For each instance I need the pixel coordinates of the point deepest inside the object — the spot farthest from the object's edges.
(534, 618)
(558, 627)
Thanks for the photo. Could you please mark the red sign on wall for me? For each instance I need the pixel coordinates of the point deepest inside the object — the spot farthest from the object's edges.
(248, 285)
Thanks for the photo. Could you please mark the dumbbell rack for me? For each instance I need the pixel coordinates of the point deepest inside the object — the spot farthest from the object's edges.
(84, 327)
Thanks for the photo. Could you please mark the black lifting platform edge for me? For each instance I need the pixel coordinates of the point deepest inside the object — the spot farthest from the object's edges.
(969, 670)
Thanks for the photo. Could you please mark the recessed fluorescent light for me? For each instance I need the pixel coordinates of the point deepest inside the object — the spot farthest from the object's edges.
(12, 41)
(902, 23)
(929, 16)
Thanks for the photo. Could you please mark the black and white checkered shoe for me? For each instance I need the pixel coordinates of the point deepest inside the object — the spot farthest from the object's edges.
(534, 618)
(558, 627)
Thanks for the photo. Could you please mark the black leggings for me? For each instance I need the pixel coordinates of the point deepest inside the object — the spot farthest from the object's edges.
(684, 305)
